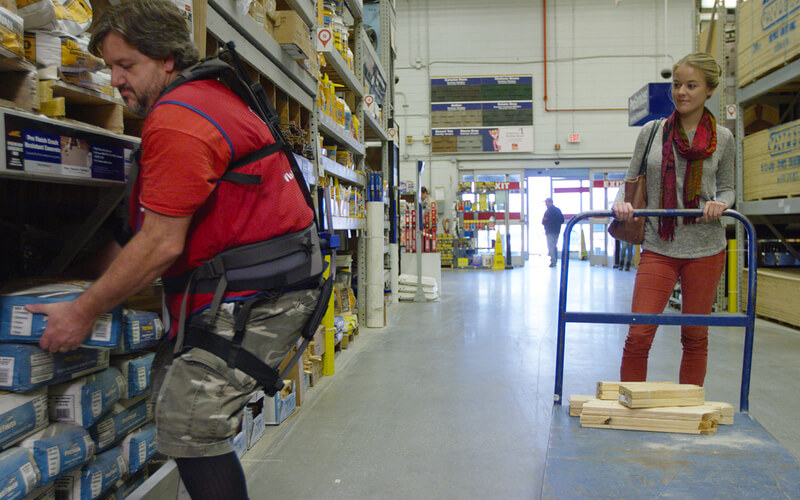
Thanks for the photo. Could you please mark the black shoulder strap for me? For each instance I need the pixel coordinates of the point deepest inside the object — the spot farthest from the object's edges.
(643, 166)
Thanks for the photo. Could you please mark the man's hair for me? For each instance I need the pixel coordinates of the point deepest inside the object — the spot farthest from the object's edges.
(424, 189)
(155, 28)
(546, 200)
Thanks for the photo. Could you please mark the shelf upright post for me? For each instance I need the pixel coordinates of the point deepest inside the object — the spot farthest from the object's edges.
(419, 296)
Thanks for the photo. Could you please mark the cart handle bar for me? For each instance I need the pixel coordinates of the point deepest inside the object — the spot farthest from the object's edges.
(747, 320)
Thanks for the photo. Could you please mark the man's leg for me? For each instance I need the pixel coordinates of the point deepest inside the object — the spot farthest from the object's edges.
(552, 248)
(212, 478)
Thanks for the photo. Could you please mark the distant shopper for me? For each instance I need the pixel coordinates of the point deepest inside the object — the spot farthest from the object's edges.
(552, 220)
(625, 255)
(691, 165)
(423, 196)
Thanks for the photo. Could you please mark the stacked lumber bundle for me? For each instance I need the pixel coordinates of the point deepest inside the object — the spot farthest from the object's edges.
(651, 406)
(657, 394)
(601, 414)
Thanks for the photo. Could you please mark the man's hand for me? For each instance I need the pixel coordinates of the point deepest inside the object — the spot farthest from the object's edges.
(623, 211)
(67, 325)
(713, 210)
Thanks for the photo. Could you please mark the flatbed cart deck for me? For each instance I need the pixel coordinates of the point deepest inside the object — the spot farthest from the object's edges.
(739, 461)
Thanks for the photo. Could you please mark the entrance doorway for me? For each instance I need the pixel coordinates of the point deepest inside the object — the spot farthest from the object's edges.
(573, 191)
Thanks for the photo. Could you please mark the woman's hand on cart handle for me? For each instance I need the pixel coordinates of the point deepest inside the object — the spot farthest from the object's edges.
(623, 210)
(713, 210)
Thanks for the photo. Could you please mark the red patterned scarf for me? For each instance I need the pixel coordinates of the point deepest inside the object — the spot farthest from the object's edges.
(703, 146)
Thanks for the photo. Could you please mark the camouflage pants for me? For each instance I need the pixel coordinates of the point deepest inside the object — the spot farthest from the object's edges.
(200, 399)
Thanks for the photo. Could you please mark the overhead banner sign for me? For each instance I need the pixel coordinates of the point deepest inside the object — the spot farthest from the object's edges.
(482, 114)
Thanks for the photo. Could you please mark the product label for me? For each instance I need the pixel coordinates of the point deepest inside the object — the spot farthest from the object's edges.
(102, 328)
(29, 476)
(64, 408)
(96, 483)
(142, 452)
(6, 371)
(53, 461)
(42, 367)
(136, 332)
(141, 381)
(97, 403)
(21, 322)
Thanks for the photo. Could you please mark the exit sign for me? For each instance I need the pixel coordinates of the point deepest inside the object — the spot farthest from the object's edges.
(574, 138)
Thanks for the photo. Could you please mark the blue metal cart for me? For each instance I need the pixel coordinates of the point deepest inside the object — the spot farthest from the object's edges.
(739, 461)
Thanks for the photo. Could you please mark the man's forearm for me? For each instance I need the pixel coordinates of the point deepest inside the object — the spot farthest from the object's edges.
(137, 265)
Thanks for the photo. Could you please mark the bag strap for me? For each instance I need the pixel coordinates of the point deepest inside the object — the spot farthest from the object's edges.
(643, 166)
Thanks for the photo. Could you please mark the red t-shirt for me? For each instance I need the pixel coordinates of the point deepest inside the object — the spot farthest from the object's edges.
(188, 140)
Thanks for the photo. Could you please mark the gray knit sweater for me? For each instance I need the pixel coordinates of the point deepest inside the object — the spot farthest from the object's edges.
(691, 240)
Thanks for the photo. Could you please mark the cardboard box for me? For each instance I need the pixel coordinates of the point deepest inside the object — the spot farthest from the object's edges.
(768, 37)
(772, 162)
(293, 35)
(317, 345)
(279, 407)
(254, 418)
(239, 441)
(760, 117)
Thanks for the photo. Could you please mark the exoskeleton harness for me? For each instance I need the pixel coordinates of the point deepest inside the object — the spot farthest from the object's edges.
(283, 263)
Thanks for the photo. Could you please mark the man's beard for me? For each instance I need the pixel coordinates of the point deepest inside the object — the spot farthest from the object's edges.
(143, 100)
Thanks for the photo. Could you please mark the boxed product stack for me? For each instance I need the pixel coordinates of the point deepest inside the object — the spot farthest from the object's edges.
(10, 28)
(72, 423)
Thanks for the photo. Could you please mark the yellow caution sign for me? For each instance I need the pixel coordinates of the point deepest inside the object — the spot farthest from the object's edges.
(499, 263)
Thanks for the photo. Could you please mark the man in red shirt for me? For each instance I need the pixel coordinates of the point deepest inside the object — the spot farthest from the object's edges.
(182, 214)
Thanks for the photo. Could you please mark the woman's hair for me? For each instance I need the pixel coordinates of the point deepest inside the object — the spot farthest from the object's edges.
(703, 63)
(155, 28)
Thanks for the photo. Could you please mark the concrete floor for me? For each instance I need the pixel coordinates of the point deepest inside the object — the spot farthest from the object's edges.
(453, 399)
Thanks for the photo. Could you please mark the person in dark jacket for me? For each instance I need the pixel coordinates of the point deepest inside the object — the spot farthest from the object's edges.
(552, 220)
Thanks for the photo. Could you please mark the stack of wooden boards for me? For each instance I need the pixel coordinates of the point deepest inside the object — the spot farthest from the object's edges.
(651, 406)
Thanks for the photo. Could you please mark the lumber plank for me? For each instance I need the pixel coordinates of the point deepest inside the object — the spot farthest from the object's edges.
(576, 403)
(655, 394)
(610, 390)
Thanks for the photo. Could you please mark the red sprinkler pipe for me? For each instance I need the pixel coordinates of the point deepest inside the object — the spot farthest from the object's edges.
(544, 24)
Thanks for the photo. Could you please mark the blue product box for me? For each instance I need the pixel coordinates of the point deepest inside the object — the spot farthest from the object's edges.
(19, 325)
(84, 400)
(239, 441)
(21, 414)
(124, 417)
(278, 408)
(26, 366)
(93, 479)
(135, 368)
(140, 331)
(139, 446)
(18, 473)
(58, 449)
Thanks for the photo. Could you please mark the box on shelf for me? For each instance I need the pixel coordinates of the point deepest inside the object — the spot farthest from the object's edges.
(768, 38)
(19, 325)
(26, 366)
(18, 472)
(772, 163)
(22, 414)
(760, 117)
(59, 448)
(11, 33)
(280, 407)
(254, 417)
(293, 34)
(774, 286)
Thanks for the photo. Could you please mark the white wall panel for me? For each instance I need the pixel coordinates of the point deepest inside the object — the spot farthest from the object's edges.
(598, 55)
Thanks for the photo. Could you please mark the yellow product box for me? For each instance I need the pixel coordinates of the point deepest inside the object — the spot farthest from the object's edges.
(66, 52)
(11, 32)
(258, 12)
(772, 162)
(338, 111)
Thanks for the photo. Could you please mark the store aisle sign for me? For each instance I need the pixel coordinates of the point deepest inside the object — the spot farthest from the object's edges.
(482, 114)
(608, 183)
